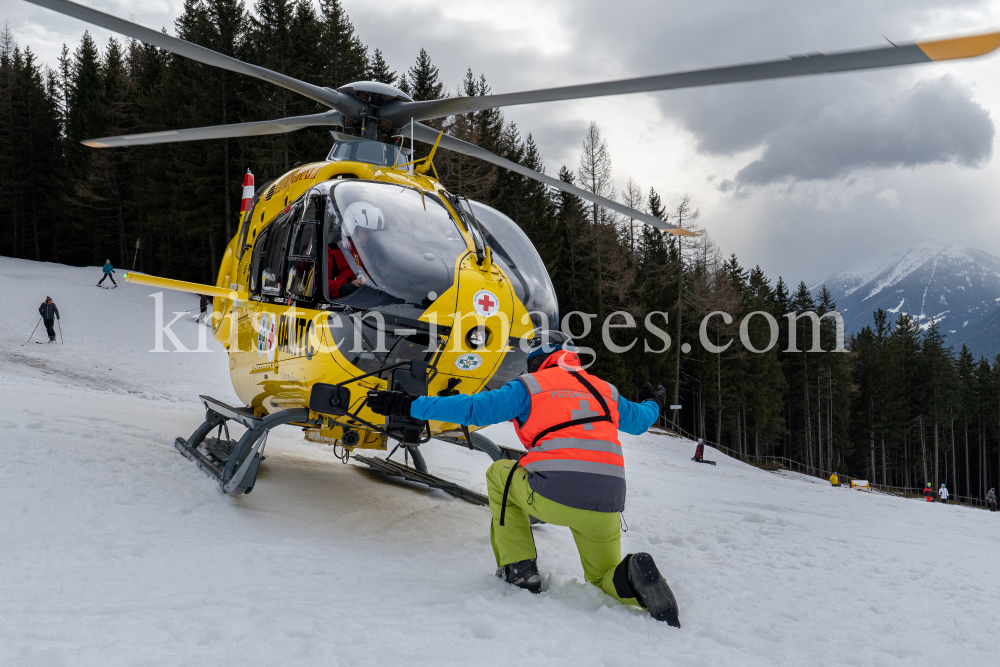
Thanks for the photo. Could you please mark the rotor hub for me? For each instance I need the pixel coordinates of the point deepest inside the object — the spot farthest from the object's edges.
(373, 94)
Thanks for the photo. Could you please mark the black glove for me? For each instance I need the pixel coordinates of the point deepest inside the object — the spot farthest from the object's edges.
(647, 394)
(390, 403)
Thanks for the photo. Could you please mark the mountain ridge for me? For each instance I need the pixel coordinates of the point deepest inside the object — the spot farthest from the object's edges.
(953, 284)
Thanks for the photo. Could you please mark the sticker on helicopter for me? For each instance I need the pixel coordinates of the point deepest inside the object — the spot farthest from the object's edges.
(267, 336)
(485, 303)
(363, 214)
(469, 361)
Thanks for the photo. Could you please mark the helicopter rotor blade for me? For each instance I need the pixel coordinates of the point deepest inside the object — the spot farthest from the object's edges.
(230, 131)
(400, 112)
(429, 135)
(325, 96)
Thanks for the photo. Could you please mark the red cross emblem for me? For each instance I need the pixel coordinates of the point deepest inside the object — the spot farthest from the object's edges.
(486, 303)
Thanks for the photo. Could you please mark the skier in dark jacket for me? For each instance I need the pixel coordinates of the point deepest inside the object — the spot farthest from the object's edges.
(49, 314)
(991, 500)
(203, 305)
(108, 271)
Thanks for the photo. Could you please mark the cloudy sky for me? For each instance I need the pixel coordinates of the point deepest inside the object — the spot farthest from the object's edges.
(803, 177)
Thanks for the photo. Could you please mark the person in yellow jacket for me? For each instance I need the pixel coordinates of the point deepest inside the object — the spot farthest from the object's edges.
(834, 480)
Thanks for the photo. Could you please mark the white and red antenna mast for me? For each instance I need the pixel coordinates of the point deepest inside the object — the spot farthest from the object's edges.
(247, 194)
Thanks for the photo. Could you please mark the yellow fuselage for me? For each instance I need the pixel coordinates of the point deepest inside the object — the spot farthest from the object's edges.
(303, 352)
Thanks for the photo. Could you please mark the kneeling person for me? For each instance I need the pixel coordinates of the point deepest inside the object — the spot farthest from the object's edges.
(572, 473)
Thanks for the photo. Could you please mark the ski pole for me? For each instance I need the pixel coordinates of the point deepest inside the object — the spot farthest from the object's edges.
(61, 341)
(34, 330)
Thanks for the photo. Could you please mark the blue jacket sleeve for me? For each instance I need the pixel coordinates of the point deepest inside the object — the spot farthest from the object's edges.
(510, 401)
(636, 418)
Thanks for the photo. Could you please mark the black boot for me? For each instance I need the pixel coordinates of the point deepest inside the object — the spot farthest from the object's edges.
(523, 574)
(637, 576)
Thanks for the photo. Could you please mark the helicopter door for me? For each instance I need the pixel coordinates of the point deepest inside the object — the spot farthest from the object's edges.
(273, 258)
(257, 260)
(300, 282)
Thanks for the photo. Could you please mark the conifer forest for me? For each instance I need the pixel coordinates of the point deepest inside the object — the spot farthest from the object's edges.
(898, 407)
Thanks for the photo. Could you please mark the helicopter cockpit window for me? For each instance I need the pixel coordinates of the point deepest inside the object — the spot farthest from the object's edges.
(520, 261)
(358, 149)
(273, 260)
(256, 261)
(301, 282)
(398, 247)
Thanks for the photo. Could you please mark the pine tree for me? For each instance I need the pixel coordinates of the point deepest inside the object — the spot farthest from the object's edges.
(595, 172)
(340, 49)
(30, 152)
(423, 79)
(938, 386)
(466, 175)
(378, 69)
(969, 405)
(84, 120)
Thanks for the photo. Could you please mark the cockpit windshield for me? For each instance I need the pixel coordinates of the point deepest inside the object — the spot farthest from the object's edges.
(359, 149)
(390, 246)
(518, 258)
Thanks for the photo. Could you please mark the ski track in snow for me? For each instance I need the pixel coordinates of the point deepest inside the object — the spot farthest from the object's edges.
(118, 551)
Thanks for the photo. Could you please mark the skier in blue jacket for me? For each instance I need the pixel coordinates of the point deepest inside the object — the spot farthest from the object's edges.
(108, 270)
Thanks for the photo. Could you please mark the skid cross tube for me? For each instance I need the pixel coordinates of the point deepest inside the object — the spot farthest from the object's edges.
(233, 477)
(240, 470)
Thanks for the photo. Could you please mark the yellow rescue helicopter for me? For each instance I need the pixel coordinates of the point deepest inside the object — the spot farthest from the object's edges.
(363, 271)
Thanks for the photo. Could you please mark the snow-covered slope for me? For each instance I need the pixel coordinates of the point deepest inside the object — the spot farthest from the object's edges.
(118, 551)
(956, 284)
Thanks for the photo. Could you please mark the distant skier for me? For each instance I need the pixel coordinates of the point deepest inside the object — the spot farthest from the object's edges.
(108, 271)
(929, 493)
(699, 453)
(203, 315)
(943, 493)
(49, 314)
(991, 500)
(834, 480)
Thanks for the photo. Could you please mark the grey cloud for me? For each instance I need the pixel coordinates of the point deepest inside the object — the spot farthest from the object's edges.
(933, 122)
(726, 120)
(559, 142)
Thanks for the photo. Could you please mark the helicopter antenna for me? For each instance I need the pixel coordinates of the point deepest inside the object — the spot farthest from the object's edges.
(428, 162)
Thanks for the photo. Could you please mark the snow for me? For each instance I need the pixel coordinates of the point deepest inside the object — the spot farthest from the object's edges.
(846, 282)
(954, 278)
(118, 551)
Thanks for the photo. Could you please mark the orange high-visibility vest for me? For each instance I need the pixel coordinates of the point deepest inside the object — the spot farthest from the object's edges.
(572, 463)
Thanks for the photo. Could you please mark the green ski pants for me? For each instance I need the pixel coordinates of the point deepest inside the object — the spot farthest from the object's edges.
(597, 534)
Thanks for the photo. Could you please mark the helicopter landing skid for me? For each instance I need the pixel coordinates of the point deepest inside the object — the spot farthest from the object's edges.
(233, 463)
(395, 469)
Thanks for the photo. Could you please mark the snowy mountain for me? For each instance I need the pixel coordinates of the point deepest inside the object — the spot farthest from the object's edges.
(956, 284)
(118, 551)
